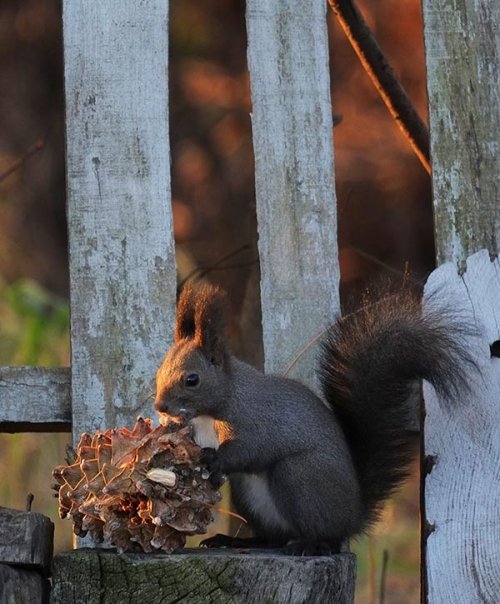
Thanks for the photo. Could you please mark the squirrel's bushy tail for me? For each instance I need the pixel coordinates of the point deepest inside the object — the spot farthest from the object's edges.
(369, 364)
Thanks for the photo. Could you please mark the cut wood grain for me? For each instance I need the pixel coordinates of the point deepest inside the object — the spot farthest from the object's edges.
(35, 399)
(296, 203)
(201, 577)
(462, 442)
(462, 54)
(26, 539)
(122, 266)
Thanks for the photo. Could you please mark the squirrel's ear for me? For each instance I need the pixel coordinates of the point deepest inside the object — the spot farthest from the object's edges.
(184, 321)
(210, 320)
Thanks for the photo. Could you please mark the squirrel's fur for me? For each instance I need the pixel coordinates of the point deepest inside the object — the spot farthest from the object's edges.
(302, 471)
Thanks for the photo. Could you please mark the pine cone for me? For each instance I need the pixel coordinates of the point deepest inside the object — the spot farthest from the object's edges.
(140, 489)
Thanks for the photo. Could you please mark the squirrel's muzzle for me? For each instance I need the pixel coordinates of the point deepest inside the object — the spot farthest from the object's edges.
(161, 405)
(173, 408)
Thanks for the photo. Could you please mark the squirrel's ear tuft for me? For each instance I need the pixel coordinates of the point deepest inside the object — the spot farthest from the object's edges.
(184, 322)
(210, 320)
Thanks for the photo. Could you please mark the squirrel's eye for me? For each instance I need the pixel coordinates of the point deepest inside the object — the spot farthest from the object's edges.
(192, 380)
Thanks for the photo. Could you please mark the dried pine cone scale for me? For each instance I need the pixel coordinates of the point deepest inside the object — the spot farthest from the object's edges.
(140, 489)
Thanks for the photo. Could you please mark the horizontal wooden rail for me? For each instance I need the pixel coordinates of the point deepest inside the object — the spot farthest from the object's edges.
(35, 399)
(38, 399)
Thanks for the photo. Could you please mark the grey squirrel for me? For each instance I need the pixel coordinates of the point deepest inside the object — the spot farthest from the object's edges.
(307, 475)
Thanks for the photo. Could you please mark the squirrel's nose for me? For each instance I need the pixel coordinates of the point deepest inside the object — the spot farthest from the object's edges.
(160, 405)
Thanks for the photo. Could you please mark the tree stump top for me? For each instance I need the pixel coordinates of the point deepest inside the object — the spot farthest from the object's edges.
(201, 577)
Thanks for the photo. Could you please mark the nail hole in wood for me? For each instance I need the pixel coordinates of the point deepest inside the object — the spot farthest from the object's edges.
(495, 349)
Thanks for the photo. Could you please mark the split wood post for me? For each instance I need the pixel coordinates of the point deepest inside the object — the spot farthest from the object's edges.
(462, 442)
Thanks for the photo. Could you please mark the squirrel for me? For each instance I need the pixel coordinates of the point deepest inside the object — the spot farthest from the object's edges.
(308, 475)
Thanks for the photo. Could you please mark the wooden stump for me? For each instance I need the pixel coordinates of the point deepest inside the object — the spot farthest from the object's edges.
(26, 539)
(18, 586)
(201, 577)
(26, 542)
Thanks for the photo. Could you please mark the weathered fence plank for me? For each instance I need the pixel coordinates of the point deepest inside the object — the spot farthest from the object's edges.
(201, 577)
(296, 204)
(122, 267)
(35, 399)
(462, 43)
(462, 491)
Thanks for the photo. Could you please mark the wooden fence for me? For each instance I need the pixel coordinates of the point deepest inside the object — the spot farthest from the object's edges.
(122, 265)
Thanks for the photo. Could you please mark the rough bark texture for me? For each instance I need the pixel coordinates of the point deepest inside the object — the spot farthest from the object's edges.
(462, 42)
(462, 445)
(201, 577)
(34, 399)
(296, 204)
(18, 586)
(26, 539)
(122, 267)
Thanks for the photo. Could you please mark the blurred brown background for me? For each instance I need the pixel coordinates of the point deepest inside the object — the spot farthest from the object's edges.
(383, 193)
(384, 198)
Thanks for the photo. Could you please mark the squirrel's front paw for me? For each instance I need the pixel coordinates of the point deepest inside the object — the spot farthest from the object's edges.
(209, 458)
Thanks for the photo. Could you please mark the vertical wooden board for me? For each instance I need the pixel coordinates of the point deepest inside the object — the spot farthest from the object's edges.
(122, 266)
(296, 204)
(462, 42)
(462, 491)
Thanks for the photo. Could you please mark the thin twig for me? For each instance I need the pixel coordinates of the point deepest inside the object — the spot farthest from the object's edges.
(371, 570)
(303, 351)
(383, 77)
(29, 501)
(383, 576)
(31, 150)
(229, 267)
(204, 270)
(403, 274)
(232, 514)
(324, 331)
(406, 279)
(319, 336)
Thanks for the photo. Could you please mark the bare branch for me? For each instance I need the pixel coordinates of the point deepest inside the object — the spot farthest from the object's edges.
(383, 77)
(31, 150)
